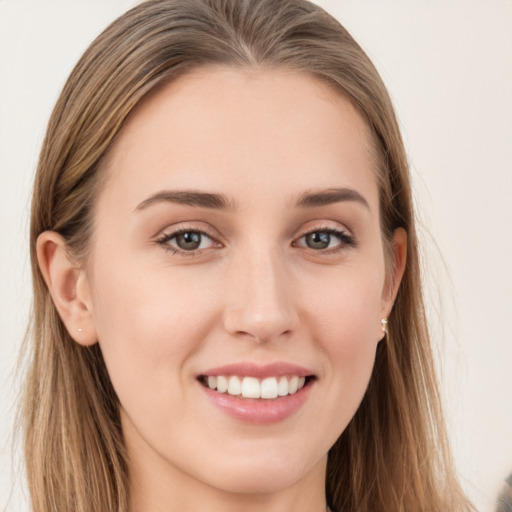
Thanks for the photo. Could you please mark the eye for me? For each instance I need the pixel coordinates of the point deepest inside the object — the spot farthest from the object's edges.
(186, 241)
(326, 239)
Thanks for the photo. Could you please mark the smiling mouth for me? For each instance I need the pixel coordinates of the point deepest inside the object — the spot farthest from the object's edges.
(269, 388)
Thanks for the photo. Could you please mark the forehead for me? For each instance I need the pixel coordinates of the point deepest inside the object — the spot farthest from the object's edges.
(235, 128)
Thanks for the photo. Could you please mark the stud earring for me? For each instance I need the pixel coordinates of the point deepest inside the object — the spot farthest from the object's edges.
(79, 329)
(384, 324)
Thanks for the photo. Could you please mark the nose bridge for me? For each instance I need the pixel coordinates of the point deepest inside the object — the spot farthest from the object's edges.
(260, 303)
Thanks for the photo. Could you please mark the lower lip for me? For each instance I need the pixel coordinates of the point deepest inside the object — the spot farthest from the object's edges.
(259, 411)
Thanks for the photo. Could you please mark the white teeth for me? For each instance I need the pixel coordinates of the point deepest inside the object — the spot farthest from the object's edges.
(222, 384)
(282, 388)
(292, 385)
(269, 388)
(235, 386)
(251, 387)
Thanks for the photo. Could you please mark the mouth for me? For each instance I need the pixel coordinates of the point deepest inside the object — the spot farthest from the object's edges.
(258, 394)
(250, 387)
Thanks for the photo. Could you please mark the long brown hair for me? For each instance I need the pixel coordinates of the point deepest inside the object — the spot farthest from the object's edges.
(393, 456)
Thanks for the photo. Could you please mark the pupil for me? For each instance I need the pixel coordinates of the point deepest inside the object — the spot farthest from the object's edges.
(188, 241)
(318, 240)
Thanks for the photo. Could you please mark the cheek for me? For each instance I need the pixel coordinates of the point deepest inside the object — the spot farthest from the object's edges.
(345, 321)
(346, 305)
(149, 323)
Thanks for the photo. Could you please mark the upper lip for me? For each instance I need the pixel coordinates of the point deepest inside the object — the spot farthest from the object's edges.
(248, 369)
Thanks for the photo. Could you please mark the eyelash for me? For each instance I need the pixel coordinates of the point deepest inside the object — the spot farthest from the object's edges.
(346, 240)
(166, 237)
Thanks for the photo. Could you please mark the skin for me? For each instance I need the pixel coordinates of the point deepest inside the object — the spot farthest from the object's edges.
(253, 291)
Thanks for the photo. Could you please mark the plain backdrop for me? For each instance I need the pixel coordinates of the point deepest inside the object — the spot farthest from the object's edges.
(448, 66)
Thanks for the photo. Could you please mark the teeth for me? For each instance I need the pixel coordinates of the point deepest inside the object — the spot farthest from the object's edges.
(282, 388)
(269, 388)
(250, 387)
(235, 386)
(222, 384)
(293, 385)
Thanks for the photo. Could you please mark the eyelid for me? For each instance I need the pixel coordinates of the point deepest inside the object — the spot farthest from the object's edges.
(173, 231)
(346, 237)
(323, 225)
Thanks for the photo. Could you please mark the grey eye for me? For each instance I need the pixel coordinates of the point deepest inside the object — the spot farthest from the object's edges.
(188, 241)
(318, 240)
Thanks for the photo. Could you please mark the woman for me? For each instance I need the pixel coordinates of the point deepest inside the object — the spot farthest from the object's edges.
(228, 312)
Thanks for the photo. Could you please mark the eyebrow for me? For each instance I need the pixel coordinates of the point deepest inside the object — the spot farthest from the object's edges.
(311, 199)
(189, 198)
(215, 201)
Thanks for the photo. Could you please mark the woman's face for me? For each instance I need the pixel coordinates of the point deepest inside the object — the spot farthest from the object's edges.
(237, 245)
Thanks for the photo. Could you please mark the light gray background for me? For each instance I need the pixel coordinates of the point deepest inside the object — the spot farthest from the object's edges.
(448, 66)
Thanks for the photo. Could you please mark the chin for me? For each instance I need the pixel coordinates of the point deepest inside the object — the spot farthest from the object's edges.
(266, 476)
(259, 481)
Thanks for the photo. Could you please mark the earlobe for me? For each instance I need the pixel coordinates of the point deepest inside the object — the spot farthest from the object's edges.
(68, 286)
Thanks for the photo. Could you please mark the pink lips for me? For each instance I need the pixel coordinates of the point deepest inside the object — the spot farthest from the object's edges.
(259, 411)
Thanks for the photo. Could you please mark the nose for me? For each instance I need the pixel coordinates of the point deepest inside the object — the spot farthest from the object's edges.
(260, 298)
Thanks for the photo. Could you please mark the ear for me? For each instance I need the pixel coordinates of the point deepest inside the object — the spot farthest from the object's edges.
(68, 286)
(396, 271)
